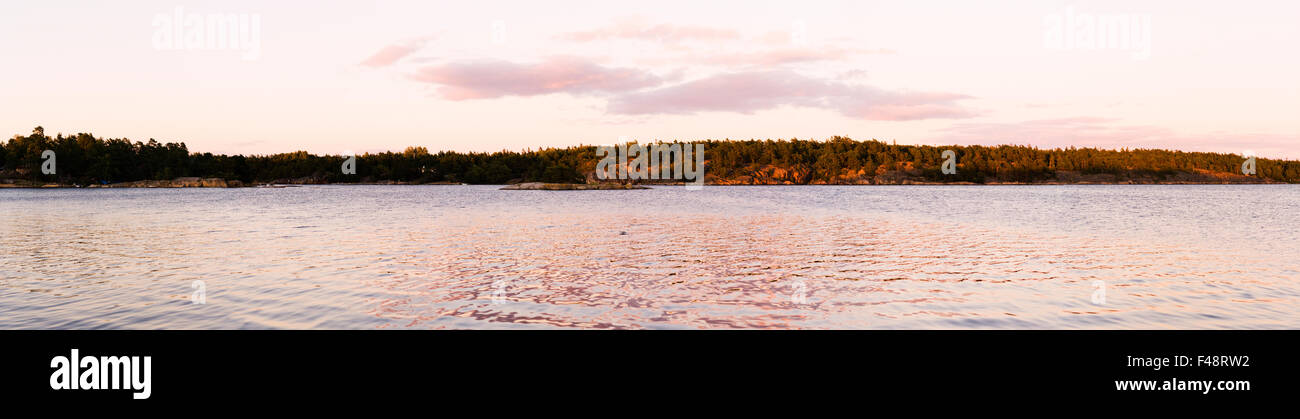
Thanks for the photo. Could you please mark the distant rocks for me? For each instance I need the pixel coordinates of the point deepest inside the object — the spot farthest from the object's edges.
(307, 180)
(539, 186)
(18, 183)
(180, 182)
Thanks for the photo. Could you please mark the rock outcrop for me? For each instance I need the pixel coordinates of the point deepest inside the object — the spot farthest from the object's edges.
(182, 182)
(539, 186)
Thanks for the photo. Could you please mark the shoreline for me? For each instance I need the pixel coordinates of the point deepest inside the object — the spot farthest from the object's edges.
(594, 186)
(1059, 178)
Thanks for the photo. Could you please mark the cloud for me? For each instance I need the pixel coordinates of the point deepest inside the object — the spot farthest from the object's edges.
(667, 33)
(393, 53)
(495, 78)
(748, 92)
(786, 56)
(786, 51)
(777, 37)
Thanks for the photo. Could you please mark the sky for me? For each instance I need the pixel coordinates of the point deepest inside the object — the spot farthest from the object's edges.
(353, 76)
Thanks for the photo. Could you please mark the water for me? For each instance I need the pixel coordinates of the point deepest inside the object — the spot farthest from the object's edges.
(397, 257)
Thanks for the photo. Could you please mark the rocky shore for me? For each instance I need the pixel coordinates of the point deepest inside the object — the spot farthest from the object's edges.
(772, 175)
(184, 182)
(766, 176)
(194, 182)
(539, 186)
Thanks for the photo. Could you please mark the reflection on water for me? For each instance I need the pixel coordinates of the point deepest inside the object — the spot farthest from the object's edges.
(723, 257)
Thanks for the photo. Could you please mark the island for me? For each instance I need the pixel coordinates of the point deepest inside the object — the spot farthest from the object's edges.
(83, 160)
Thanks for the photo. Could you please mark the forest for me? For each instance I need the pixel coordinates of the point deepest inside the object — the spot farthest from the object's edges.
(83, 159)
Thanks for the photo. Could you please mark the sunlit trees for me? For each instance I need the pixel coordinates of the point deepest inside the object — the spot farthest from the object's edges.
(84, 159)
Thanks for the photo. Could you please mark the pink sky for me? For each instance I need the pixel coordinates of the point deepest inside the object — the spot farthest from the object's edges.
(348, 75)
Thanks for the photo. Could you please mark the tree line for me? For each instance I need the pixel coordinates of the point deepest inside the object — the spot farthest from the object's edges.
(86, 159)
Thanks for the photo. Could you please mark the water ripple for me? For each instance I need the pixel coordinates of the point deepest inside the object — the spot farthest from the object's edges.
(724, 257)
